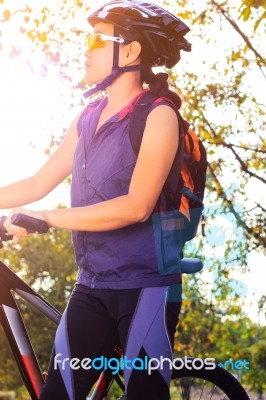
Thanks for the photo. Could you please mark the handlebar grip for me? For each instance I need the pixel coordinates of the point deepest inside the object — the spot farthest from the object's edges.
(29, 223)
(2, 229)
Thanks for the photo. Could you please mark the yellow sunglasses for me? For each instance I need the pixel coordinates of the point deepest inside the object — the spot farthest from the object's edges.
(98, 40)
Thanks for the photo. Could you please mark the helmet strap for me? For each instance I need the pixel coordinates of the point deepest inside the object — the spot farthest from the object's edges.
(116, 49)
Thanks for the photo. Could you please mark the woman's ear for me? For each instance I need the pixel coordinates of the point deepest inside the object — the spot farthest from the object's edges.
(131, 53)
(135, 49)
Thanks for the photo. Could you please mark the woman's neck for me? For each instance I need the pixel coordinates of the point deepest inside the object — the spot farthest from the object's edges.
(123, 90)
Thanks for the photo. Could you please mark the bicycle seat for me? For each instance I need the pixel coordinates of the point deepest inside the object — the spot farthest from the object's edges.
(190, 265)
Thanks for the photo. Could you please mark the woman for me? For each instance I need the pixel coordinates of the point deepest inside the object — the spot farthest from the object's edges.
(121, 295)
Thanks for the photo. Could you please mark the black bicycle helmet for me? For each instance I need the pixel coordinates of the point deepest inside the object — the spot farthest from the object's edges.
(160, 33)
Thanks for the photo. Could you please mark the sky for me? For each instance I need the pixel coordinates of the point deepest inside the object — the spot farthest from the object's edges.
(29, 97)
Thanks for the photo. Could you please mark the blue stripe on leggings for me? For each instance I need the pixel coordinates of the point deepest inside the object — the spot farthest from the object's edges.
(62, 346)
(148, 329)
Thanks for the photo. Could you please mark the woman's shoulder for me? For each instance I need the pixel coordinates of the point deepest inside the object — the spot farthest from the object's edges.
(149, 101)
(163, 101)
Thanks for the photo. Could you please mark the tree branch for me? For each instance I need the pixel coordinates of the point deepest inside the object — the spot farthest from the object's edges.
(229, 203)
(229, 146)
(260, 59)
(243, 165)
(260, 206)
(238, 146)
(248, 148)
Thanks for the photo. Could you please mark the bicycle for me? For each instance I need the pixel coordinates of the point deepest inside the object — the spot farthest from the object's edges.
(206, 384)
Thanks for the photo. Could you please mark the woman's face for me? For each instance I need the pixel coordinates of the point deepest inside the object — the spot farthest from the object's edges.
(99, 60)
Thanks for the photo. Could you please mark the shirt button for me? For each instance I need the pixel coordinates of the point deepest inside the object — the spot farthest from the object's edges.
(83, 166)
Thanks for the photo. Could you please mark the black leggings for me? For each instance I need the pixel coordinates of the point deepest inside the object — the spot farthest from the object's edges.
(95, 321)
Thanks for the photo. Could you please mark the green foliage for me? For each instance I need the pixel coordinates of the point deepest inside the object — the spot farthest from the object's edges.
(257, 376)
(217, 327)
(47, 264)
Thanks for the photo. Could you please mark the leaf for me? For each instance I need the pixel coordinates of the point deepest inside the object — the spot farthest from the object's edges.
(79, 3)
(31, 35)
(259, 21)
(43, 37)
(246, 14)
(6, 15)
(14, 52)
(45, 10)
(28, 9)
(236, 55)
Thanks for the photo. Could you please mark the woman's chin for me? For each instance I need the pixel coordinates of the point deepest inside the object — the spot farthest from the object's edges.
(90, 81)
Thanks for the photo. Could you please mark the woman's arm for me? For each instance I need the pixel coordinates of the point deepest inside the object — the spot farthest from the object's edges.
(157, 152)
(54, 171)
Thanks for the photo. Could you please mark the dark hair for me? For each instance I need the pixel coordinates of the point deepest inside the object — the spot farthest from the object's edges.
(158, 85)
(157, 82)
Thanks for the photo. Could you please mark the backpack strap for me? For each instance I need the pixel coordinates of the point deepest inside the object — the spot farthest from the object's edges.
(139, 116)
(138, 119)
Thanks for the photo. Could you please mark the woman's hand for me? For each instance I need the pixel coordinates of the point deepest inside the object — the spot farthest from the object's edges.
(17, 231)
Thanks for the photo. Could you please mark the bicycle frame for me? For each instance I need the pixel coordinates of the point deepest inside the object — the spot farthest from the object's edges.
(15, 329)
(18, 338)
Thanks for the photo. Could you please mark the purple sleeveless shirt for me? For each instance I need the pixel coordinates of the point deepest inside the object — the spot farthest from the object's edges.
(102, 169)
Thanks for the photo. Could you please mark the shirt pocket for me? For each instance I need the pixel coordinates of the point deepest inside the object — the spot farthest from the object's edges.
(169, 236)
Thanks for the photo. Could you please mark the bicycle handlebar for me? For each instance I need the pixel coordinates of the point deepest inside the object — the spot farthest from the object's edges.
(32, 225)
